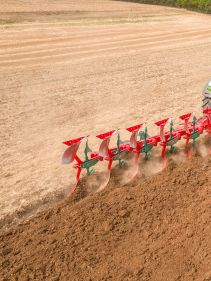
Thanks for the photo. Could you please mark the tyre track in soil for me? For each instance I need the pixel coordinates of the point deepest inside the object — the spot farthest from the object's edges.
(83, 40)
(56, 46)
(119, 46)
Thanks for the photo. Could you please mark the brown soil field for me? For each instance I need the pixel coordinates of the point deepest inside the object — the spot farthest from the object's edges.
(155, 229)
(73, 68)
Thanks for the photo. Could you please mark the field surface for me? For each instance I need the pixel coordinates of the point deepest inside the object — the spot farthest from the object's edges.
(72, 68)
(157, 229)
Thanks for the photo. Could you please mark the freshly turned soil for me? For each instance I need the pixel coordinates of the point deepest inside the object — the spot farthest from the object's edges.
(156, 229)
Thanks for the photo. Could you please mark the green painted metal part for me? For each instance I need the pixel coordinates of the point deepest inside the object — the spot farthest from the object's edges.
(116, 157)
(141, 136)
(172, 141)
(146, 150)
(121, 161)
(146, 147)
(195, 134)
(86, 151)
(88, 163)
(172, 149)
(118, 151)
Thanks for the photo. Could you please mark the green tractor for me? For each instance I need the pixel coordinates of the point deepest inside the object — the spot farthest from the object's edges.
(207, 96)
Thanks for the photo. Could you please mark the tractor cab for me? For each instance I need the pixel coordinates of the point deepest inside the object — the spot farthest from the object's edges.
(206, 102)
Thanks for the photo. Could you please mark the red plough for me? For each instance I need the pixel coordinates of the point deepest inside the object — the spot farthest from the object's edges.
(139, 143)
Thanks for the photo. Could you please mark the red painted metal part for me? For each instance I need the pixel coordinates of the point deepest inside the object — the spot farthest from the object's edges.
(106, 135)
(162, 122)
(164, 137)
(185, 116)
(71, 142)
(134, 145)
(134, 128)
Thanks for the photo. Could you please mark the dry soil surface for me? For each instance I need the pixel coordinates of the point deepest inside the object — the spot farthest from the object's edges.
(157, 229)
(71, 68)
